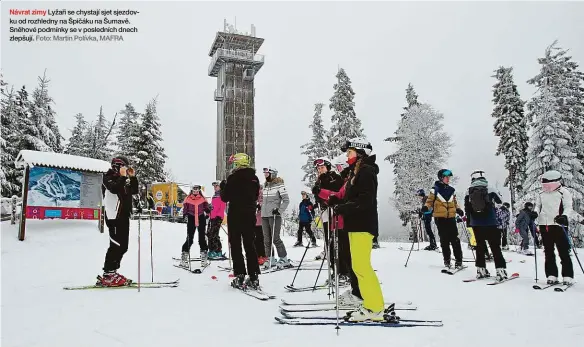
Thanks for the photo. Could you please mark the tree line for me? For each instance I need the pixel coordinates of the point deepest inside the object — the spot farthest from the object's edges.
(29, 123)
(545, 133)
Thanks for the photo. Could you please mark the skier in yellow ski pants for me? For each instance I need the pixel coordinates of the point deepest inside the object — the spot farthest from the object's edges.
(361, 245)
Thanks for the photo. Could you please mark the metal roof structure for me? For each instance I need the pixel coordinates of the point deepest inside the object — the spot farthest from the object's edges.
(60, 161)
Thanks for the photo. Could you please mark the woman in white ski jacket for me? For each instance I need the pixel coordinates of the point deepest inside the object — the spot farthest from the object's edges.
(554, 206)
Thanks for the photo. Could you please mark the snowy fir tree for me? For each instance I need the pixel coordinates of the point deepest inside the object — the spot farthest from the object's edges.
(345, 124)
(30, 137)
(411, 96)
(78, 142)
(9, 175)
(147, 148)
(422, 148)
(511, 128)
(549, 147)
(43, 116)
(101, 131)
(127, 128)
(560, 76)
(317, 147)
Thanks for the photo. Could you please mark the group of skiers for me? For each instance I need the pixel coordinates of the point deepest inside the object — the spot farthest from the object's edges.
(347, 201)
(489, 218)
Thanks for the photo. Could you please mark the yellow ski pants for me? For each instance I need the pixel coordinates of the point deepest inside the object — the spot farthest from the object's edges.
(361, 245)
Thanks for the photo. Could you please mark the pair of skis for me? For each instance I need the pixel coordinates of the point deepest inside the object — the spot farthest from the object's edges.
(512, 277)
(316, 306)
(558, 287)
(453, 271)
(296, 317)
(130, 284)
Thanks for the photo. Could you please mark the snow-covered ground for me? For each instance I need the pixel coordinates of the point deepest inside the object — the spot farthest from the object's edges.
(37, 312)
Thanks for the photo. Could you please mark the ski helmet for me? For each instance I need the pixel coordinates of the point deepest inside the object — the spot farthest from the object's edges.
(273, 172)
(359, 144)
(322, 161)
(216, 183)
(119, 161)
(444, 173)
(528, 205)
(551, 176)
(196, 187)
(477, 174)
(239, 160)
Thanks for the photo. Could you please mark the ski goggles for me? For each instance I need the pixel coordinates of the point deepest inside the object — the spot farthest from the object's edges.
(319, 162)
(266, 170)
(196, 188)
(214, 184)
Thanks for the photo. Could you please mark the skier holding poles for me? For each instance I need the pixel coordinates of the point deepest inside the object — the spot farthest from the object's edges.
(241, 191)
(119, 184)
(554, 207)
(359, 211)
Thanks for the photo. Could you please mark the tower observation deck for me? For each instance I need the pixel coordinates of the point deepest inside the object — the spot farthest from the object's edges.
(235, 63)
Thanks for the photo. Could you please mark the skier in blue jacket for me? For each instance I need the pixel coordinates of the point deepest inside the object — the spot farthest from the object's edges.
(305, 218)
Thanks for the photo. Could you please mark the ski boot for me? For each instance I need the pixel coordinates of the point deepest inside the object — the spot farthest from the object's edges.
(431, 247)
(363, 314)
(313, 243)
(284, 263)
(112, 279)
(344, 280)
(505, 248)
(482, 272)
(184, 260)
(347, 299)
(458, 265)
(204, 259)
(375, 246)
(262, 260)
(238, 282)
(252, 283)
(298, 244)
(568, 281)
(447, 266)
(552, 280)
(321, 256)
(501, 275)
(269, 263)
(389, 314)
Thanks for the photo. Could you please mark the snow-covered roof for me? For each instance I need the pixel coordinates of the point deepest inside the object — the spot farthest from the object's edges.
(60, 161)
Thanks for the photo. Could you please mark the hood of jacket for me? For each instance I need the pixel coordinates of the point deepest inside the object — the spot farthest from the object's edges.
(370, 160)
(277, 180)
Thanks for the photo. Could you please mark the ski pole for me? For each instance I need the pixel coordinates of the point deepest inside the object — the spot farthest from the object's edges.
(328, 253)
(302, 259)
(139, 254)
(411, 249)
(535, 254)
(573, 248)
(336, 248)
(151, 254)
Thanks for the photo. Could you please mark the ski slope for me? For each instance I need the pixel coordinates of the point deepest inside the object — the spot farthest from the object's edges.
(37, 312)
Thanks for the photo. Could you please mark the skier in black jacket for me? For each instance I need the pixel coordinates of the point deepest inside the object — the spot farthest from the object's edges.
(329, 180)
(119, 184)
(241, 191)
(359, 210)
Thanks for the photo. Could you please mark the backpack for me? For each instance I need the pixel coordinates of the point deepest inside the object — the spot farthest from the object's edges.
(479, 200)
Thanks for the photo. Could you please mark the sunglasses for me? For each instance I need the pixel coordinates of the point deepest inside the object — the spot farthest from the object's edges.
(266, 170)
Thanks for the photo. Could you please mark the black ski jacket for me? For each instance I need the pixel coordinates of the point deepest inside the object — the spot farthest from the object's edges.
(241, 190)
(359, 207)
(330, 181)
(117, 192)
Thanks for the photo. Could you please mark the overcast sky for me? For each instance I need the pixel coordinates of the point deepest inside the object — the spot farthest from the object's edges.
(447, 50)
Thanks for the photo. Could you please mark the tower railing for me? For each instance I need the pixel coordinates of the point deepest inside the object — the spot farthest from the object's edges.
(232, 54)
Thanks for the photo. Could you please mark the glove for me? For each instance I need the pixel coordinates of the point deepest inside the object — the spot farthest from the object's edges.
(516, 230)
(316, 189)
(222, 184)
(275, 212)
(460, 212)
(459, 220)
(424, 209)
(258, 207)
(210, 208)
(561, 220)
(333, 200)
